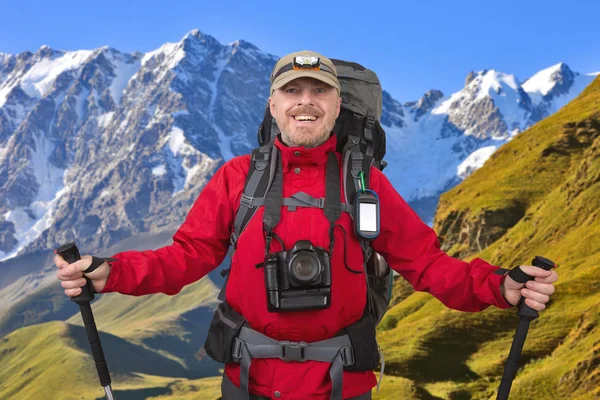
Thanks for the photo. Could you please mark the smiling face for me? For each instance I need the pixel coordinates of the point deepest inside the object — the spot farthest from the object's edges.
(305, 110)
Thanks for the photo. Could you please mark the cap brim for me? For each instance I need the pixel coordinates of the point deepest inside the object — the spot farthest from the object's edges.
(289, 76)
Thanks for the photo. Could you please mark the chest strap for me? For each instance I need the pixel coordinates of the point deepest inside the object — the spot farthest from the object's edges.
(300, 199)
(253, 344)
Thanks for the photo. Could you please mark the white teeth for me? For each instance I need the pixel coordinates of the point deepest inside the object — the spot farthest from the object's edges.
(305, 118)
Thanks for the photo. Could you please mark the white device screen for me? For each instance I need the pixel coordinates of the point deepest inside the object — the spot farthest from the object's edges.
(368, 217)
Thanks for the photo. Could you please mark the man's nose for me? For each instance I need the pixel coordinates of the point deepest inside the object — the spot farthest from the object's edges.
(305, 98)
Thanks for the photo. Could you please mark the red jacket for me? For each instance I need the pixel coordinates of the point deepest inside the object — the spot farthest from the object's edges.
(408, 245)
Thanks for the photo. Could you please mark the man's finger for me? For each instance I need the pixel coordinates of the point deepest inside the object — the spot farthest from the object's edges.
(539, 297)
(535, 305)
(62, 277)
(59, 261)
(74, 268)
(550, 279)
(71, 270)
(74, 284)
(544, 288)
(73, 292)
(536, 271)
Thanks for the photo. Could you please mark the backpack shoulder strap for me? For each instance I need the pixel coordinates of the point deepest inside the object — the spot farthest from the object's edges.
(259, 179)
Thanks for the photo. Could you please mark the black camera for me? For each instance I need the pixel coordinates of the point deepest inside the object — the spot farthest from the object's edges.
(298, 279)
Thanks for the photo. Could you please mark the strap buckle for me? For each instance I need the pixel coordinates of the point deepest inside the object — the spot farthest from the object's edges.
(370, 121)
(233, 238)
(347, 354)
(261, 158)
(236, 349)
(353, 139)
(225, 272)
(357, 156)
(358, 116)
(292, 351)
(246, 200)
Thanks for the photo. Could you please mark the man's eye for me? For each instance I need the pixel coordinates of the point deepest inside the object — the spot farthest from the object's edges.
(320, 90)
(291, 90)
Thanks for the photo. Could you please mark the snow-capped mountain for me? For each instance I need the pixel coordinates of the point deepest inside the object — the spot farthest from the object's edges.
(552, 88)
(442, 140)
(97, 145)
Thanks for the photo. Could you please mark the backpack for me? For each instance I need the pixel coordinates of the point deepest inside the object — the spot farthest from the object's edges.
(360, 140)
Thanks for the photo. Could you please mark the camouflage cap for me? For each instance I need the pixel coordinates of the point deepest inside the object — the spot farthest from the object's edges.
(304, 64)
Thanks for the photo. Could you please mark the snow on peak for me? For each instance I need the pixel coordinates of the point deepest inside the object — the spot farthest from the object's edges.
(39, 79)
(243, 45)
(542, 83)
(492, 83)
(197, 37)
(194, 33)
(555, 86)
(173, 51)
(484, 88)
(425, 103)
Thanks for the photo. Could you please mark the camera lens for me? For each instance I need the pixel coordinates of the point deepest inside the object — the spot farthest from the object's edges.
(305, 267)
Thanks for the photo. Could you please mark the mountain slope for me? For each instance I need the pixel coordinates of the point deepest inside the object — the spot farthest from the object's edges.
(537, 195)
(176, 326)
(52, 360)
(37, 297)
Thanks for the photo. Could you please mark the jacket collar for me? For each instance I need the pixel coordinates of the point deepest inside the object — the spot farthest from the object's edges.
(302, 155)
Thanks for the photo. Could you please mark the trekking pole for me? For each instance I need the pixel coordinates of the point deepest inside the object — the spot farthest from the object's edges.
(526, 315)
(70, 254)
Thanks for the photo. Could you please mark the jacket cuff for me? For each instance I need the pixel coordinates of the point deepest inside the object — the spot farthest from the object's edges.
(113, 276)
(496, 280)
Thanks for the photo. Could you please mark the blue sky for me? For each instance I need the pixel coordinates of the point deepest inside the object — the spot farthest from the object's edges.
(413, 46)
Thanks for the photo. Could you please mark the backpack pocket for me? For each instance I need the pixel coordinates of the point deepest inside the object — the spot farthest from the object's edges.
(364, 344)
(225, 326)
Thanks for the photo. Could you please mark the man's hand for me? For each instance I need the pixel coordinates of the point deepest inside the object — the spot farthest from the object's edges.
(537, 292)
(71, 275)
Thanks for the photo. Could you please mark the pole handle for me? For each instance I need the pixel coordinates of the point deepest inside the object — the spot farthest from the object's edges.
(524, 311)
(70, 253)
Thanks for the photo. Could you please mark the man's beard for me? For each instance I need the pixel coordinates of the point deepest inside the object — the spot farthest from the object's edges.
(305, 136)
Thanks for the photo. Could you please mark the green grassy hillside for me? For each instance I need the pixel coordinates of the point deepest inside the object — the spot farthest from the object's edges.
(537, 195)
(29, 299)
(175, 326)
(148, 341)
(47, 361)
(45, 304)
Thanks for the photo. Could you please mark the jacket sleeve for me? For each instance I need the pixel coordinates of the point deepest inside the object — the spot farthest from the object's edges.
(199, 245)
(413, 250)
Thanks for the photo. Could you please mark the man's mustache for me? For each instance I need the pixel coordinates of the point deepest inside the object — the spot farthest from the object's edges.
(305, 111)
